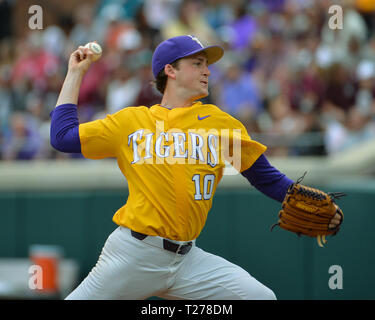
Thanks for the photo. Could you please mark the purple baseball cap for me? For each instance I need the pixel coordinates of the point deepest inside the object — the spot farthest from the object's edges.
(180, 47)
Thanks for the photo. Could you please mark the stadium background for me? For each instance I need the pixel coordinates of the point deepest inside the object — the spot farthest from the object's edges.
(304, 90)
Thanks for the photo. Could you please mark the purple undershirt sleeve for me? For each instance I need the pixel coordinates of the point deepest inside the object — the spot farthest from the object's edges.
(268, 179)
(64, 132)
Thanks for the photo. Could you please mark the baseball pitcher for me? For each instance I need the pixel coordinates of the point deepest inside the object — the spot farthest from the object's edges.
(173, 155)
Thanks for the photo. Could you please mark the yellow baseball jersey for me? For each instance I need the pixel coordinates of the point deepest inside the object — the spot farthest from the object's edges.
(173, 160)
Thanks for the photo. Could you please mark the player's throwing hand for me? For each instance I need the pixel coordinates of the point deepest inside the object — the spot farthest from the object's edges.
(80, 60)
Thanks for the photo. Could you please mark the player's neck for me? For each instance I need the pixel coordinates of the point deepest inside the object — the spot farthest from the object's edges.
(172, 100)
(175, 103)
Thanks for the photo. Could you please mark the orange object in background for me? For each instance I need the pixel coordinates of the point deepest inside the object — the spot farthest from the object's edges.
(365, 5)
(47, 258)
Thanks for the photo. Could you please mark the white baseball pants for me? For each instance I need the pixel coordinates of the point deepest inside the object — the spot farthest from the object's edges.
(132, 269)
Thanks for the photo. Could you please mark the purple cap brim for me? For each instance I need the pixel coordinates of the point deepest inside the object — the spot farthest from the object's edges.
(182, 47)
(213, 53)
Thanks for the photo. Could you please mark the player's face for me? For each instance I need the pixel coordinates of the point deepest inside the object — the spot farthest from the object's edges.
(192, 76)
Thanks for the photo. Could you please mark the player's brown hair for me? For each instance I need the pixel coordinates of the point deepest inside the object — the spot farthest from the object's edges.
(161, 79)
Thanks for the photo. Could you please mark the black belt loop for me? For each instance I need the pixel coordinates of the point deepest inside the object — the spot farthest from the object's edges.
(185, 248)
(137, 235)
(167, 245)
(171, 246)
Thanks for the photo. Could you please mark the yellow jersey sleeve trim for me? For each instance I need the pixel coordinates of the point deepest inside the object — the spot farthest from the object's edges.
(102, 138)
(258, 150)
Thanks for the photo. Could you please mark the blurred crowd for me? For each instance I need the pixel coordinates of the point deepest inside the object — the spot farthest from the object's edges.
(299, 86)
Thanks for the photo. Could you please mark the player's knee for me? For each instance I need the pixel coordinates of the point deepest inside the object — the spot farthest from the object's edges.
(268, 294)
(262, 293)
(258, 291)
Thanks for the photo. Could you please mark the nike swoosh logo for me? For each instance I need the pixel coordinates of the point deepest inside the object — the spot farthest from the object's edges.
(201, 118)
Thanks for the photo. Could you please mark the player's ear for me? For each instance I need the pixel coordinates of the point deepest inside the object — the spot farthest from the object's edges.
(170, 71)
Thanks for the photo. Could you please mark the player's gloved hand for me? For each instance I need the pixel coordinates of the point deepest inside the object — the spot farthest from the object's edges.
(310, 212)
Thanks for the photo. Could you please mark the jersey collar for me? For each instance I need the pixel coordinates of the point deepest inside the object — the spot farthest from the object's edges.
(163, 112)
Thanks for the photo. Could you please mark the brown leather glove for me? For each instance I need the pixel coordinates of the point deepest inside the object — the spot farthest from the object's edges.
(308, 211)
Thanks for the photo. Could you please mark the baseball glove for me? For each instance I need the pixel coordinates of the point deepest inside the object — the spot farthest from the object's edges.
(308, 211)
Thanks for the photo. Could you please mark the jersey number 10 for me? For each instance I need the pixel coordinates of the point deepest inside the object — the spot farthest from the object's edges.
(208, 185)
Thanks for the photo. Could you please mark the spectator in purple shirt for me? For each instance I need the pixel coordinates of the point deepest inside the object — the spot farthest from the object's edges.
(243, 29)
(22, 141)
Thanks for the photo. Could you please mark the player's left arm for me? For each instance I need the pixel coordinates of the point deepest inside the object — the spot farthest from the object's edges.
(254, 165)
(276, 185)
(267, 179)
(271, 182)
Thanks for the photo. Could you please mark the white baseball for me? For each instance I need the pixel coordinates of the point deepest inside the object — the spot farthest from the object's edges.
(96, 49)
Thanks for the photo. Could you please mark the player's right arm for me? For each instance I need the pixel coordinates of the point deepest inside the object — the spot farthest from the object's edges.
(95, 139)
(79, 62)
(64, 133)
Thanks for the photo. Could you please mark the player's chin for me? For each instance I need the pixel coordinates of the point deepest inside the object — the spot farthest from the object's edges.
(202, 94)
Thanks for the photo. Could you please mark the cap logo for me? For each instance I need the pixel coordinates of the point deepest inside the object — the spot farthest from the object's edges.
(196, 40)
